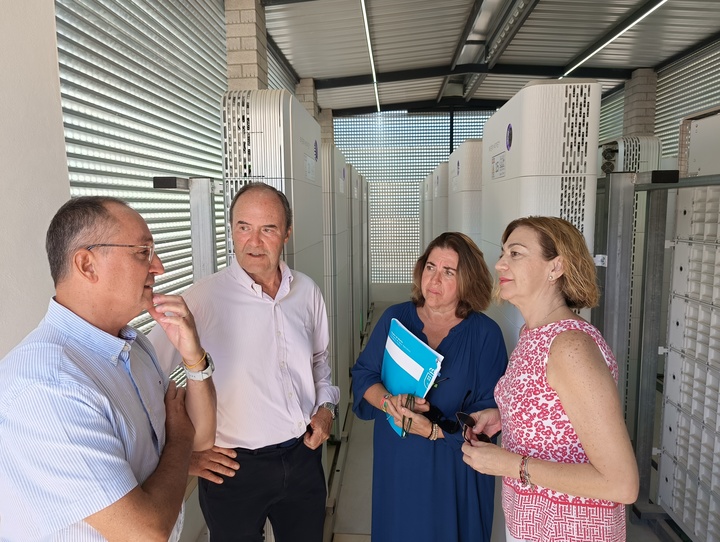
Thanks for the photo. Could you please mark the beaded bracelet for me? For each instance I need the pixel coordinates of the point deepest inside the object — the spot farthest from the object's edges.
(384, 403)
(525, 474)
(191, 367)
(434, 432)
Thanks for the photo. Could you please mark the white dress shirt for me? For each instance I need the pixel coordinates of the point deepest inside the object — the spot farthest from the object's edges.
(270, 355)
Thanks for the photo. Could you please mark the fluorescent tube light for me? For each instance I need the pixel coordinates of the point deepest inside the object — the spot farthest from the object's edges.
(372, 60)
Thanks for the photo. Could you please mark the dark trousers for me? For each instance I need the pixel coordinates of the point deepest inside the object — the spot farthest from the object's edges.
(284, 485)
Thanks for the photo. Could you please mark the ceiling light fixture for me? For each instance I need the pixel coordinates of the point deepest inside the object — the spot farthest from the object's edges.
(370, 51)
(629, 24)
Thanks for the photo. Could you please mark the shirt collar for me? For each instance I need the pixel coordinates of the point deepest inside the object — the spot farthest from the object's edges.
(82, 331)
(246, 280)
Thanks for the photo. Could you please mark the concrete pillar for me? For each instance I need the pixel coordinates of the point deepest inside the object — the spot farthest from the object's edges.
(306, 93)
(327, 133)
(640, 96)
(246, 45)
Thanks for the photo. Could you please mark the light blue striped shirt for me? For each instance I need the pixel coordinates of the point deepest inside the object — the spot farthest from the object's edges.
(82, 423)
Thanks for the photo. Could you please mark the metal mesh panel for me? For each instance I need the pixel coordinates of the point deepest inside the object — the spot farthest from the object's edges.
(686, 87)
(141, 84)
(395, 151)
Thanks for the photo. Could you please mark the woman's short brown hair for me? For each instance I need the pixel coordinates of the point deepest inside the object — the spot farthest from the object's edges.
(558, 237)
(474, 282)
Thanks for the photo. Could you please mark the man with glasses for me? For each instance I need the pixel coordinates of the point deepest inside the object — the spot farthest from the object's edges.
(96, 441)
(267, 328)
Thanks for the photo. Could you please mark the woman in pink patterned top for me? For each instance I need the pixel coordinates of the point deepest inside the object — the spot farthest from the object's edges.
(566, 459)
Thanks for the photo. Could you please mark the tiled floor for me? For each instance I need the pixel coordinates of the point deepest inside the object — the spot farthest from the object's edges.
(353, 512)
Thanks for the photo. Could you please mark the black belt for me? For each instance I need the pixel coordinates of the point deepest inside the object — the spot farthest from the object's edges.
(287, 444)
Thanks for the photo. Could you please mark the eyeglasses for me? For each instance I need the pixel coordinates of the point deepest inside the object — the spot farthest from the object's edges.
(407, 422)
(150, 248)
(467, 422)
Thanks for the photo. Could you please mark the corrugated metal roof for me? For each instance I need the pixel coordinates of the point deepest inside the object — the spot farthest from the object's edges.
(414, 42)
(409, 34)
(347, 97)
(557, 30)
(320, 39)
(409, 91)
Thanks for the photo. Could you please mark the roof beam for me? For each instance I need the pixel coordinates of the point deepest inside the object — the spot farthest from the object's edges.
(530, 70)
(401, 75)
(454, 103)
(556, 71)
(266, 3)
(514, 15)
(469, 25)
(503, 31)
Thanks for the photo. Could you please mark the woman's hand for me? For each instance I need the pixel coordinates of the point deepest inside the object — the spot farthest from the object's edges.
(487, 421)
(491, 459)
(417, 423)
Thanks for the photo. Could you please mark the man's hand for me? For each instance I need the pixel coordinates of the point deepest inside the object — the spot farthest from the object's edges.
(210, 463)
(319, 430)
(177, 422)
(174, 316)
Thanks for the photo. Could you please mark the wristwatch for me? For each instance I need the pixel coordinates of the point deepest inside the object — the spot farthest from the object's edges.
(202, 375)
(333, 408)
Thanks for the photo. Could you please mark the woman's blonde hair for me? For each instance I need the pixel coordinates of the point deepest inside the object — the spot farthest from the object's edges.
(558, 237)
(474, 282)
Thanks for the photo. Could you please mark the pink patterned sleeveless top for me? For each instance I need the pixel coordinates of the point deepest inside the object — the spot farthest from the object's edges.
(534, 423)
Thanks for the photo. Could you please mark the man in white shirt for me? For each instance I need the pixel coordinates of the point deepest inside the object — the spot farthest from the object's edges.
(266, 326)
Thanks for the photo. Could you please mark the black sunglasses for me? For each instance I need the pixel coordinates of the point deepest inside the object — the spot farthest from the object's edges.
(467, 422)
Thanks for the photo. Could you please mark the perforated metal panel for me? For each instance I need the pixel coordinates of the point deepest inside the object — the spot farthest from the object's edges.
(539, 158)
(270, 137)
(141, 84)
(395, 151)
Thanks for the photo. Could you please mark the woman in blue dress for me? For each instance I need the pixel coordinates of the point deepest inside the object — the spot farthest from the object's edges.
(422, 489)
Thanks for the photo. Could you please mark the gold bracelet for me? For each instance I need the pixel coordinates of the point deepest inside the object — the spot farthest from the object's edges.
(434, 433)
(191, 367)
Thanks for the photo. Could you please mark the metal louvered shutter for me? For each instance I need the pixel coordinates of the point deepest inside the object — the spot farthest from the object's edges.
(279, 76)
(611, 116)
(141, 85)
(685, 87)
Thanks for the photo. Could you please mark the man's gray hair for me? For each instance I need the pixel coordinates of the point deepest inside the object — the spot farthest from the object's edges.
(267, 188)
(79, 222)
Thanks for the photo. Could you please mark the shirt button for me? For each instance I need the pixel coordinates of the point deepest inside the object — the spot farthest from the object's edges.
(126, 347)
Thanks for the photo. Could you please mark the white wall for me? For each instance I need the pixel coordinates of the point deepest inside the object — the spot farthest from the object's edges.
(33, 165)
